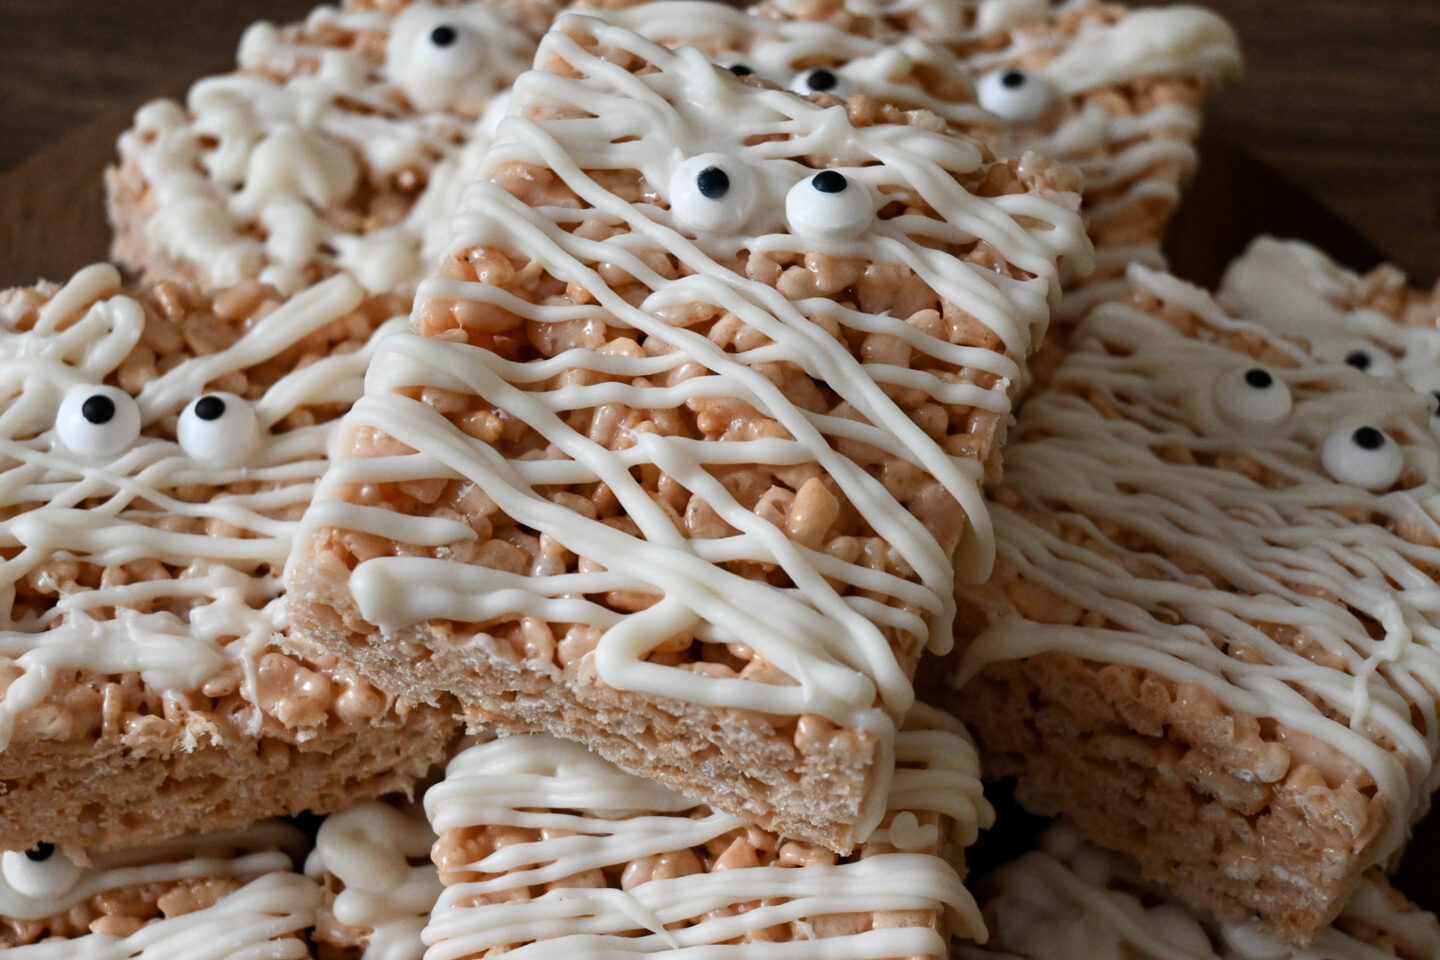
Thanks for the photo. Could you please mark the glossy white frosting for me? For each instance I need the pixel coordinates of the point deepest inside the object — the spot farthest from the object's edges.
(593, 816)
(233, 611)
(833, 645)
(1359, 595)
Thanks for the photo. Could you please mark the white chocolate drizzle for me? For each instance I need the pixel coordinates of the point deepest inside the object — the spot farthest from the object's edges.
(593, 817)
(265, 173)
(1071, 898)
(174, 632)
(372, 848)
(1358, 596)
(833, 645)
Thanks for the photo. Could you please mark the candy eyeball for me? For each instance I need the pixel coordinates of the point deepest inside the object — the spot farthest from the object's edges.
(829, 206)
(218, 429)
(446, 56)
(1363, 456)
(1014, 94)
(1252, 397)
(712, 193)
(97, 421)
(1367, 359)
(41, 872)
(821, 80)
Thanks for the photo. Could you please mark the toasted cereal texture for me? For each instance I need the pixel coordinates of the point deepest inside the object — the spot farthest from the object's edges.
(46, 897)
(1165, 656)
(1071, 898)
(643, 457)
(141, 547)
(340, 143)
(544, 844)
(373, 861)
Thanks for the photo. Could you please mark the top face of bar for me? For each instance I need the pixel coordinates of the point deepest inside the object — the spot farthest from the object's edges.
(541, 842)
(157, 453)
(341, 143)
(803, 331)
(1069, 897)
(1203, 498)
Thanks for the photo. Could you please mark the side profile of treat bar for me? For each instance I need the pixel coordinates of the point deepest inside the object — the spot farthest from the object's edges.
(691, 429)
(340, 143)
(1210, 640)
(156, 451)
(545, 846)
(1070, 898)
(212, 896)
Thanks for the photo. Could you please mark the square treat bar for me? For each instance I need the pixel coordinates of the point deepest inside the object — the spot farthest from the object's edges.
(1070, 898)
(546, 849)
(340, 143)
(214, 896)
(1211, 639)
(1117, 92)
(692, 429)
(156, 452)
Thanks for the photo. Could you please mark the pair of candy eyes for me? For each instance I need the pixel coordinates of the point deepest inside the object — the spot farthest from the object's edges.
(40, 872)
(1011, 93)
(713, 193)
(217, 429)
(1362, 456)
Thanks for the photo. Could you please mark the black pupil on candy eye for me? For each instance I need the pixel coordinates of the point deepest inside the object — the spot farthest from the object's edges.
(1259, 379)
(98, 409)
(1368, 438)
(210, 408)
(713, 183)
(821, 80)
(41, 851)
(828, 181)
(1012, 79)
(1358, 359)
(740, 70)
(443, 35)
(1435, 394)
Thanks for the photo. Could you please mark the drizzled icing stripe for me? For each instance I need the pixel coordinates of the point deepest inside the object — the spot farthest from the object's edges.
(339, 144)
(1071, 898)
(264, 920)
(654, 124)
(381, 856)
(1360, 674)
(591, 817)
(174, 631)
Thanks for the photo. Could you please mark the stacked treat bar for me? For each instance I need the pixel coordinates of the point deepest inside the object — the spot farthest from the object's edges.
(633, 388)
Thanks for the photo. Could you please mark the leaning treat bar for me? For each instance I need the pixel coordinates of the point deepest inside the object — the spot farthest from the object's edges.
(380, 884)
(1069, 898)
(341, 143)
(693, 426)
(547, 850)
(1211, 636)
(156, 451)
(213, 896)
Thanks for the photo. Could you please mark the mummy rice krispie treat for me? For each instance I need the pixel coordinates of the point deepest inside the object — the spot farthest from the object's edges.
(341, 143)
(214, 896)
(1211, 638)
(1069, 898)
(156, 451)
(692, 427)
(545, 849)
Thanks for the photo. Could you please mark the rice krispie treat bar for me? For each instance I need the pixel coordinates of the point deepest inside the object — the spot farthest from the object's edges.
(545, 848)
(373, 861)
(214, 896)
(691, 429)
(1070, 898)
(1211, 639)
(340, 143)
(156, 451)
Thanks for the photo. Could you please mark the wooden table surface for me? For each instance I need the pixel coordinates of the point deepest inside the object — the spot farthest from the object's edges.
(1342, 97)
